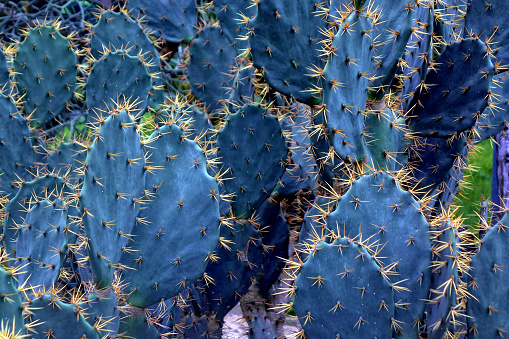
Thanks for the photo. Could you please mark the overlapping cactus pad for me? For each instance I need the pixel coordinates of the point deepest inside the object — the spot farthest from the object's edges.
(162, 162)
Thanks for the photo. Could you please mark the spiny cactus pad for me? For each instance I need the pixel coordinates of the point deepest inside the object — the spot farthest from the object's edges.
(251, 144)
(175, 20)
(46, 72)
(341, 293)
(375, 208)
(44, 228)
(488, 309)
(345, 87)
(116, 31)
(112, 192)
(59, 320)
(113, 78)
(212, 61)
(181, 220)
(461, 78)
(16, 150)
(285, 44)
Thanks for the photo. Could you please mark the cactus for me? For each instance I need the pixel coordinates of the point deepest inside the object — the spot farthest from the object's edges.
(44, 228)
(486, 310)
(234, 17)
(344, 108)
(345, 124)
(17, 152)
(58, 319)
(193, 216)
(109, 82)
(116, 31)
(46, 73)
(469, 88)
(174, 21)
(212, 58)
(120, 185)
(340, 292)
(11, 309)
(252, 145)
(285, 44)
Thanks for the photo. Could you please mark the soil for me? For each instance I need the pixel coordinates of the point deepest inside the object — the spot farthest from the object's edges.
(235, 326)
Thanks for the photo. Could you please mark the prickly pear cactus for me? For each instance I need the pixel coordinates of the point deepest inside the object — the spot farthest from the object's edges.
(114, 177)
(46, 73)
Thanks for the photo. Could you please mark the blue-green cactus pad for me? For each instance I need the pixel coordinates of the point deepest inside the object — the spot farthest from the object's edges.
(239, 262)
(212, 61)
(487, 19)
(175, 20)
(341, 294)
(285, 44)
(457, 91)
(181, 220)
(46, 73)
(488, 309)
(42, 243)
(11, 309)
(384, 135)
(16, 151)
(390, 36)
(112, 193)
(251, 144)
(230, 14)
(44, 187)
(376, 208)
(114, 77)
(345, 87)
(418, 52)
(118, 31)
(59, 320)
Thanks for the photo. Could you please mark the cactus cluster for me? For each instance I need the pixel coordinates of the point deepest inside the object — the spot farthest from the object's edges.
(175, 159)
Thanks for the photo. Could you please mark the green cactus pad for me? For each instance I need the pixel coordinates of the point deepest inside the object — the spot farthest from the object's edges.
(275, 234)
(41, 244)
(487, 20)
(345, 87)
(103, 311)
(112, 193)
(46, 73)
(59, 320)
(488, 309)
(390, 36)
(44, 187)
(230, 14)
(375, 208)
(432, 161)
(418, 52)
(285, 44)
(16, 150)
(134, 324)
(492, 122)
(212, 59)
(114, 77)
(184, 205)
(116, 31)
(457, 93)
(341, 294)
(175, 20)
(251, 144)
(66, 159)
(384, 134)
(444, 280)
(11, 309)
(238, 262)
